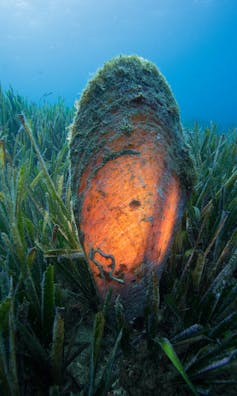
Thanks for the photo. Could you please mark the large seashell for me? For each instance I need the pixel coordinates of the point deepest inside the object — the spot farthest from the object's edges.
(131, 175)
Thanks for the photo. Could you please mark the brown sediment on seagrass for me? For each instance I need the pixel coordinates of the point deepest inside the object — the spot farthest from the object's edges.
(131, 173)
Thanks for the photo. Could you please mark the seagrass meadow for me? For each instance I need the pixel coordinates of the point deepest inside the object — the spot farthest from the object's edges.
(57, 336)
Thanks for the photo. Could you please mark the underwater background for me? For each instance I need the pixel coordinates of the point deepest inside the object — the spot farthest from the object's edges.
(59, 336)
(50, 48)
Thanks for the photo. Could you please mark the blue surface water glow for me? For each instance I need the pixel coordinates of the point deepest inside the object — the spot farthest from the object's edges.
(54, 46)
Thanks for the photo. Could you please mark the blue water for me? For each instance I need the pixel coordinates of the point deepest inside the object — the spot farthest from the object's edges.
(50, 48)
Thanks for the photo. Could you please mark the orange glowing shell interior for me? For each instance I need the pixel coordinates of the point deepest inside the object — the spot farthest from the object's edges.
(131, 173)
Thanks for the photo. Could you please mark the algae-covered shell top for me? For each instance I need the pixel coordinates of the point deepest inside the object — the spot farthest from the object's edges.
(115, 94)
